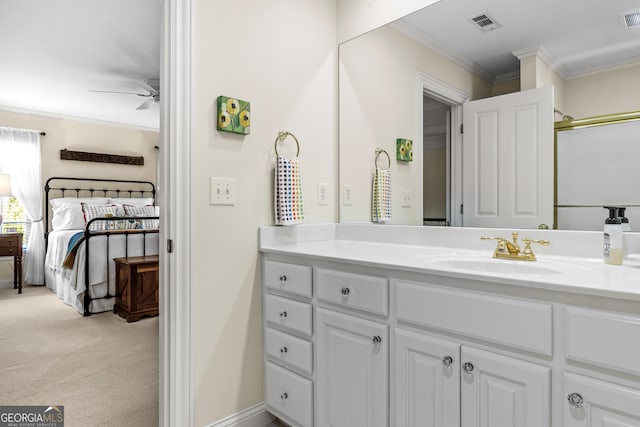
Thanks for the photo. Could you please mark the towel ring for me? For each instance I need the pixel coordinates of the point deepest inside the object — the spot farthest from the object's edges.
(282, 135)
(380, 151)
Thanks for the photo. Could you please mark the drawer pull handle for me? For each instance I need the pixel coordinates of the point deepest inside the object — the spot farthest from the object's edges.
(447, 361)
(283, 349)
(377, 340)
(283, 279)
(468, 367)
(345, 291)
(284, 396)
(283, 314)
(575, 400)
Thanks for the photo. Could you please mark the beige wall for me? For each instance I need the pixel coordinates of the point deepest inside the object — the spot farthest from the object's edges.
(508, 86)
(280, 56)
(378, 103)
(84, 136)
(609, 92)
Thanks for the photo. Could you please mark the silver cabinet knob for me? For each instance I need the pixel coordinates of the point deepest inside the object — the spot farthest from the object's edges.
(447, 361)
(284, 396)
(283, 314)
(575, 400)
(467, 367)
(344, 291)
(377, 340)
(283, 279)
(283, 349)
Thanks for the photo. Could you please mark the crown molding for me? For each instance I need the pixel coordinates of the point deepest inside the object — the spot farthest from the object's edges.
(545, 56)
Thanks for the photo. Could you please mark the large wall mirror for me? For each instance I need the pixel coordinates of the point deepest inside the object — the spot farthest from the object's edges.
(413, 78)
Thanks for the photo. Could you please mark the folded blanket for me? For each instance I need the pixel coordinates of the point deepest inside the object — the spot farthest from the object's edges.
(288, 203)
(72, 248)
(381, 196)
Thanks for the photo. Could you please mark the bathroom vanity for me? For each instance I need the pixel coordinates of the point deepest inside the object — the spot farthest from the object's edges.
(370, 326)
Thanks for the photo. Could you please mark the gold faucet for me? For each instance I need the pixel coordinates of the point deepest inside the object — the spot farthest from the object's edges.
(506, 249)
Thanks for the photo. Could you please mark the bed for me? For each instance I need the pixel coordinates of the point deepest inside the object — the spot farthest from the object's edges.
(88, 223)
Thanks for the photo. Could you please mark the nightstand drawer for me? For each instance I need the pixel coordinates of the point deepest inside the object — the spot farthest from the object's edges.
(9, 242)
(8, 251)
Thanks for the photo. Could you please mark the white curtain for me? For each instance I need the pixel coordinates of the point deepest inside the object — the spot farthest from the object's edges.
(20, 158)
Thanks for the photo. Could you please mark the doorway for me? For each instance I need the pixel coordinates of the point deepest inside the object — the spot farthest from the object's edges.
(439, 108)
(436, 142)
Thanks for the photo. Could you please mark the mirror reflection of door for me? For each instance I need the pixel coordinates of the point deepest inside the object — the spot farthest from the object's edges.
(436, 146)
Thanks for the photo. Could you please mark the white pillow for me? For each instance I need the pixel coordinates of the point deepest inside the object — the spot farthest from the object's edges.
(67, 212)
(78, 200)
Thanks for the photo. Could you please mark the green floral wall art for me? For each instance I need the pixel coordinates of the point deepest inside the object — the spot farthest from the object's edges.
(404, 150)
(234, 115)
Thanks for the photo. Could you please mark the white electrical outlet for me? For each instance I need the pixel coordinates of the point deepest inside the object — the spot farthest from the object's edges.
(407, 198)
(222, 191)
(323, 196)
(347, 195)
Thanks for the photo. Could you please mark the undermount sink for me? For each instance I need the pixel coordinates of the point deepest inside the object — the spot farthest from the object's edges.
(496, 266)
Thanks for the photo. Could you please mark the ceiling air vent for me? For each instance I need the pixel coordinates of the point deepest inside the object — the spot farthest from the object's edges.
(484, 22)
(631, 19)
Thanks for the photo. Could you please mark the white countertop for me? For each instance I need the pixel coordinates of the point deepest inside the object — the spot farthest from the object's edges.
(574, 274)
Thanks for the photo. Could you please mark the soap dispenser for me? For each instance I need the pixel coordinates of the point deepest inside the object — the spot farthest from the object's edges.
(623, 219)
(613, 237)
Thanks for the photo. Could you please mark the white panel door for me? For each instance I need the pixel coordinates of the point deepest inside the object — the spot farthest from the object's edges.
(507, 154)
(593, 403)
(427, 392)
(500, 391)
(352, 371)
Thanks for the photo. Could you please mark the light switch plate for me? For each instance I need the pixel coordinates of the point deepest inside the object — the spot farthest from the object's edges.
(347, 195)
(222, 191)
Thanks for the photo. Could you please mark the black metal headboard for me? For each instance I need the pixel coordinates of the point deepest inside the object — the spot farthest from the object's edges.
(93, 187)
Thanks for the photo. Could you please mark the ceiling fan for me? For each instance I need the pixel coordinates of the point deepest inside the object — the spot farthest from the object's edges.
(152, 86)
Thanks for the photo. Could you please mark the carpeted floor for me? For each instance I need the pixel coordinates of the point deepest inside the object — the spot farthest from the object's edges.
(101, 368)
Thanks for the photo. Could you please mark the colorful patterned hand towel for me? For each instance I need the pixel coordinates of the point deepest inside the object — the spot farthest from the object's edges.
(381, 197)
(288, 203)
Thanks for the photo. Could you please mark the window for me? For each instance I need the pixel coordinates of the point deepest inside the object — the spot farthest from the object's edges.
(14, 218)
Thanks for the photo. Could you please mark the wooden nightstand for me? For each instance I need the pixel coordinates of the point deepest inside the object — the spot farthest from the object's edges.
(11, 245)
(136, 287)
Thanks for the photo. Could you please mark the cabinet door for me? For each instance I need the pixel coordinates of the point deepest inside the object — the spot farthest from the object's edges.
(427, 375)
(594, 403)
(500, 391)
(352, 371)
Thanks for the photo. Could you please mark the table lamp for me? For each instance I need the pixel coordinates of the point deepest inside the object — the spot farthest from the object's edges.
(5, 190)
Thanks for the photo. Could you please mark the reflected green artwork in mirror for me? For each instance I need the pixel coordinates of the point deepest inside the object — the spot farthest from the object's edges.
(234, 115)
(404, 150)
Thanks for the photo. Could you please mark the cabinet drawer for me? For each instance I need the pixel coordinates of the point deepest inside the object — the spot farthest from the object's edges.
(295, 279)
(602, 338)
(9, 242)
(289, 394)
(8, 251)
(366, 293)
(512, 322)
(290, 350)
(290, 314)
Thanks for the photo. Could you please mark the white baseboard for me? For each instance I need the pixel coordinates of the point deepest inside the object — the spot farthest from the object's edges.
(254, 416)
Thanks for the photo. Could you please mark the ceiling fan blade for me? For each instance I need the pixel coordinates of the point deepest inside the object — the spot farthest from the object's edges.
(145, 105)
(153, 90)
(126, 93)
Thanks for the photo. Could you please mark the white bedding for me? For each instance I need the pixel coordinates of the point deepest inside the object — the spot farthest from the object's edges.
(69, 284)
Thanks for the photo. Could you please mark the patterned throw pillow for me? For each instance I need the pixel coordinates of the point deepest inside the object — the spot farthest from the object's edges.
(136, 211)
(101, 211)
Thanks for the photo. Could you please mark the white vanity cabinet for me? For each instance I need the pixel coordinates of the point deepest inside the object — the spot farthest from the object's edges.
(352, 371)
(348, 345)
(288, 345)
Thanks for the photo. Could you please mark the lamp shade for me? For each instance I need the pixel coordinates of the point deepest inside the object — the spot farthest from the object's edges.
(5, 185)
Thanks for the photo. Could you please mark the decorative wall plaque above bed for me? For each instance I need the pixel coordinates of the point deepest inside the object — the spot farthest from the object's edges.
(84, 156)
